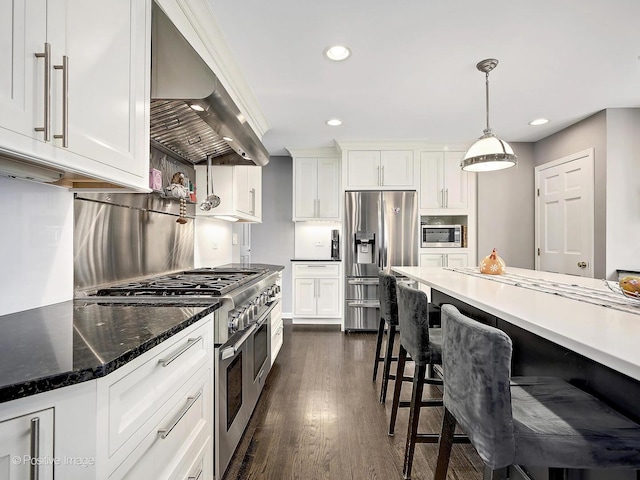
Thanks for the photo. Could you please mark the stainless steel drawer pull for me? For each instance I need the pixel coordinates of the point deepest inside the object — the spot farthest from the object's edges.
(164, 432)
(192, 341)
(47, 92)
(65, 101)
(316, 266)
(364, 304)
(195, 477)
(34, 470)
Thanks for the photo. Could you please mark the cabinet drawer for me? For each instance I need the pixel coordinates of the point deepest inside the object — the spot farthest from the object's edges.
(136, 397)
(177, 437)
(316, 270)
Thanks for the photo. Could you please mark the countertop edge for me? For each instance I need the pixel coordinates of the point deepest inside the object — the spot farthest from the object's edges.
(36, 386)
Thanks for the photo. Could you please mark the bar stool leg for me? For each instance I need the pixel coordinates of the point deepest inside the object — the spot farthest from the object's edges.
(387, 363)
(558, 474)
(444, 445)
(402, 357)
(378, 347)
(414, 418)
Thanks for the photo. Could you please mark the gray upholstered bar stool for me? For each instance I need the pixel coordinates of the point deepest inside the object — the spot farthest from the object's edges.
(389, 318)
(535, 421)
(424, 344)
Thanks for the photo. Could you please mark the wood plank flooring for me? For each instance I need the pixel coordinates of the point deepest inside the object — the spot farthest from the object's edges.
(319, 417)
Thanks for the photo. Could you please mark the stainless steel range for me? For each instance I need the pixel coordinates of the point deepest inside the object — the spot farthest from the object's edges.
(242, 335)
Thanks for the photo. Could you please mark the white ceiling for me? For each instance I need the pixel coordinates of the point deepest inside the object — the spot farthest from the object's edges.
(412, 74)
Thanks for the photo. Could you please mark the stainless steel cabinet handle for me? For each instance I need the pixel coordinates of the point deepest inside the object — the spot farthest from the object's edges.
(196, 477)
(47, 92)
(364, 304)
(315, 266)
(253, 201)
(318, 208)
(379, 183)
(34, 470)
(65, 101)
(382, 181)
(164, 432)
(446, 196)
(192, 341)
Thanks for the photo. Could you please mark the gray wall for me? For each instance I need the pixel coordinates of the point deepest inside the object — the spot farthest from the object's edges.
(588, 133)
(272, 241)
(506, 218)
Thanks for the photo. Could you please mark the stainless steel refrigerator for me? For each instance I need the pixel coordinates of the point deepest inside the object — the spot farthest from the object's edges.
(381, 230)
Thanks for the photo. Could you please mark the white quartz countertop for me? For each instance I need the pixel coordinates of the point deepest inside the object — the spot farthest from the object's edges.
(606, 335)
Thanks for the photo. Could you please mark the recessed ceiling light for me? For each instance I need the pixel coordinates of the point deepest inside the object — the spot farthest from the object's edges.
(228, 139)
(196, 107)
(538, 121)
(334, 122)
(337, 53)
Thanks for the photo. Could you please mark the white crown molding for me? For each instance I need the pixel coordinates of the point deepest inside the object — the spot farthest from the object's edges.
(323, 152)
(198, 24)
(420, 145)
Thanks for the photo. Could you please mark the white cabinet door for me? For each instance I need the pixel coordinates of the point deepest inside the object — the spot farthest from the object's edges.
(432, 260)
(23, 29)
(431, 190)
(254, 180)
(305, 188)
(455, 181)
(304, 300)
(457, 260)
(363, 168)
(15, 446)
(328, 297)
(106, 46)
(248, 189)
(328, 188)
(396, 168)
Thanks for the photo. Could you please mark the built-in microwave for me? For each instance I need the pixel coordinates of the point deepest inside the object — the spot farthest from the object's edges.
(441, 236)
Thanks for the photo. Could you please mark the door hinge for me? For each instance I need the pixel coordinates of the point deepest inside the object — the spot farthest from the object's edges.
(538, 252)
(538, 192)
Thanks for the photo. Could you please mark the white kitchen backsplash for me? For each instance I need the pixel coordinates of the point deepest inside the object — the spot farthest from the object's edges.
(213, 242)
(36, 245)
(313, 240)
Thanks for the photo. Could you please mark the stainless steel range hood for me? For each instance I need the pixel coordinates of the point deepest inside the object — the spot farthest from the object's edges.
(180, 79)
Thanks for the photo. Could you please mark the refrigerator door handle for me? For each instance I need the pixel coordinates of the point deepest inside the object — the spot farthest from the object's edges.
(366, 281)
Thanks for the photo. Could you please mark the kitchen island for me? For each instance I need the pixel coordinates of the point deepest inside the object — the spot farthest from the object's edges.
(563, 331)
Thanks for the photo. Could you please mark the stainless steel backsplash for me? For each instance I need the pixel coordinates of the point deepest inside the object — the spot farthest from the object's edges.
(120, 237)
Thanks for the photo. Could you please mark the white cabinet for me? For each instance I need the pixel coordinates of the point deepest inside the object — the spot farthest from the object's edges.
(239, 188)
(25, 437)
(380, 169)
(443, 184)
(453, 260)
(316, 290)
(277, 331)
(74, 88)
(316, 188)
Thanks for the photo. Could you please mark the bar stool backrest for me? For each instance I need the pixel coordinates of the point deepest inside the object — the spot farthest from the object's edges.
(388, 298)
(476, 360)
(413, 319)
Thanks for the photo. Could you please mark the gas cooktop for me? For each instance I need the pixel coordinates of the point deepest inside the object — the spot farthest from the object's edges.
(201, 281)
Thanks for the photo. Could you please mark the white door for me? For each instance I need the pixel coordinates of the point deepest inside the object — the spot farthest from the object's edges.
(363, 168)
(431, 174)
(455, 181)
(304, 299)
(306, 184)
(396, 168)
(432, 260)
(328, 188)
(328, 297)
(457, 260)
(564, 215)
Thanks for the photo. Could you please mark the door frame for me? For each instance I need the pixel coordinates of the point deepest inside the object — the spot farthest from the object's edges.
(589, 152)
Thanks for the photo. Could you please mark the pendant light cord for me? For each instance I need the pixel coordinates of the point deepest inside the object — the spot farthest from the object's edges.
(488, 129)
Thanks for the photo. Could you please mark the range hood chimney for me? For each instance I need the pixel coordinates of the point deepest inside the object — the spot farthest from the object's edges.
(180, 81)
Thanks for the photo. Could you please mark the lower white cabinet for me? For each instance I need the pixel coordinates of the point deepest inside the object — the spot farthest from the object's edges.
(25, 440)
(316, 290)
(444, 260)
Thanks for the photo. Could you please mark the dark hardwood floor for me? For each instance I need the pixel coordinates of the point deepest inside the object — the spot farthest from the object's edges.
(319, 417)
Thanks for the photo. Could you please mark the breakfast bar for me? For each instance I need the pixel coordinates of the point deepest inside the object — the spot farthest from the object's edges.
(570, 327)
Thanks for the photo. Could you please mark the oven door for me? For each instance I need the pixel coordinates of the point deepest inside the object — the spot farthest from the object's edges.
(234, 396)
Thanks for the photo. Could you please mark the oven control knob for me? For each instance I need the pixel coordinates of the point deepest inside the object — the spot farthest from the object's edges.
(250, 314)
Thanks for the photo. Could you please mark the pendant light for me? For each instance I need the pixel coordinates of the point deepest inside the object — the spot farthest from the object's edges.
(488, 152)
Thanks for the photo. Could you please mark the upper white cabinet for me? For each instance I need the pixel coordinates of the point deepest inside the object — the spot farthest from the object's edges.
(239, 188)
(380, 169)
(316, 188)
(443, 184)
(74, 87)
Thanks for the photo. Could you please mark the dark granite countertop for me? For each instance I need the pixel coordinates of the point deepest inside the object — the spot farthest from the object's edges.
(71, 342)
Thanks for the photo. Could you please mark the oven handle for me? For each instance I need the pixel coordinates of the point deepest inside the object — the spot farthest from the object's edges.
(230, 351)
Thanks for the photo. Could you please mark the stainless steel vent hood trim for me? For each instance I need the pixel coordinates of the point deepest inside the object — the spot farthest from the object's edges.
(180, 78)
